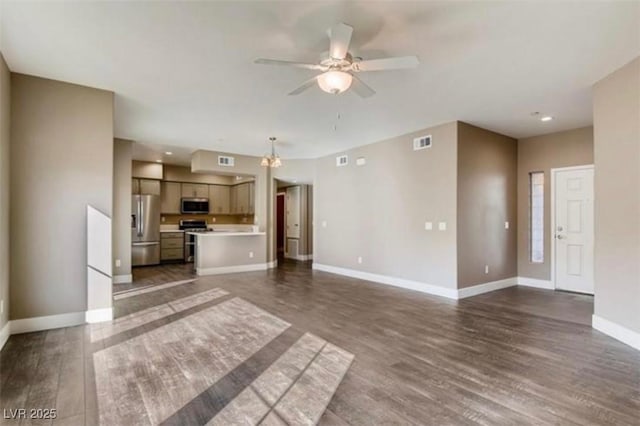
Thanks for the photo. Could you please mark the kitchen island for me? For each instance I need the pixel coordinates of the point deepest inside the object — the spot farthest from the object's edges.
(224, 252)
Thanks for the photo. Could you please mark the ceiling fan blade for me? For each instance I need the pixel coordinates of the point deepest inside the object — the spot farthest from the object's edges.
(306, 85)
(263, 61)
(361, 89)
(340, 37)
(386, 64)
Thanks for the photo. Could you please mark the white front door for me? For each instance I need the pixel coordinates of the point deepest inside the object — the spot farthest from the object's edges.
(573, 229)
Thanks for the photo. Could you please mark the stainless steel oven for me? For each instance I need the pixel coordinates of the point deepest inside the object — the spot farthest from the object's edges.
(188, 225)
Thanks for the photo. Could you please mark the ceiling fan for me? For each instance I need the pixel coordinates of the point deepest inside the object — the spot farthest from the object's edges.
(339, 67)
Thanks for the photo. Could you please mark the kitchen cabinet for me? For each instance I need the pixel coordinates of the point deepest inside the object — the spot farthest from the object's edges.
(171, 193)
(233, 199)
(242, 198)
(171, 246)
(195, 190)
(145, 186)
(252, 198)
(219, 199)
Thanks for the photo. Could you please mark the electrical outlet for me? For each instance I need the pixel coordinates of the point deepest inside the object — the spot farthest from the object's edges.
(251, 255)
(118, 263)
(428, 226)
(506, 225)
(359, 259)
(486, 269)
(162, 218)
(442, 226)
(213, 219)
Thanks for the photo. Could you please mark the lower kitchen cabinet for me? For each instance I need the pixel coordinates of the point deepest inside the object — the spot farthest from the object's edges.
(171, 246)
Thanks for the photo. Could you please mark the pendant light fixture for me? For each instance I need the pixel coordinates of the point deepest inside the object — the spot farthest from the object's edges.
(271, 160)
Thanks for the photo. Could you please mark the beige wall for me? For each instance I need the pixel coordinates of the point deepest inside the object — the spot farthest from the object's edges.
(378, 210)
(486, 200)
(5, 116)
(61, 160)
(616, 113)
(146, 170)
(183, 174)
(541, 154)
(122, 151)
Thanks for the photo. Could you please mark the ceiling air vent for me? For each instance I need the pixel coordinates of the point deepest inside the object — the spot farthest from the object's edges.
(422, 142)
(342, 160)
(223, 160)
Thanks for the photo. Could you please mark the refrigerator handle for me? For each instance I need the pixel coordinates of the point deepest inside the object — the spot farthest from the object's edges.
(141, 221)
(134, 223)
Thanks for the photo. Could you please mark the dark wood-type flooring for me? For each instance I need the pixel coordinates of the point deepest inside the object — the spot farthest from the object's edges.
(515, 356)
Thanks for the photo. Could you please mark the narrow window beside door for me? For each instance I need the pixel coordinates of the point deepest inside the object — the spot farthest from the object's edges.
(536, 217)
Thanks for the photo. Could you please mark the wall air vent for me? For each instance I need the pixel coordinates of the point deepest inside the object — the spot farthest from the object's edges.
(342, 160)
(422, 142)
(223, 160)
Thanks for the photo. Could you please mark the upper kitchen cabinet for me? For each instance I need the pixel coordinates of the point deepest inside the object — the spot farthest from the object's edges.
(145, 186)
(195, 190)
(243, 196)
(252, 197)
(219, 199)
(171, 193)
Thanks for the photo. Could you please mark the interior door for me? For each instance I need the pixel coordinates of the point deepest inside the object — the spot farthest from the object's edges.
(573, 232)
(293, 212)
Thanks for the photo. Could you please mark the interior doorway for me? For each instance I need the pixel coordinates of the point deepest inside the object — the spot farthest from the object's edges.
(572, 225)
(280, 212)
(293, 221)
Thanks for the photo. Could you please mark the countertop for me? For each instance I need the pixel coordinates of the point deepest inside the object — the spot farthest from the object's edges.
(225, 234)
(170, 230)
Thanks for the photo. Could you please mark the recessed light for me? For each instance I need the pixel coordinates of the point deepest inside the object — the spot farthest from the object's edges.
(546, 118)
(168, 153)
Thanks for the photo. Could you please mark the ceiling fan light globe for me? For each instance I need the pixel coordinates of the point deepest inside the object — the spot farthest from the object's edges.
(276, 162)
(264, 162)
(335, 82)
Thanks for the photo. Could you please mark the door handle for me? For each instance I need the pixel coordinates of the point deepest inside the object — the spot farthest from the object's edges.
(560, 237)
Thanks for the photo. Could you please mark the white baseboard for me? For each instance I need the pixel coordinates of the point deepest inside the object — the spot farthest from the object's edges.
(272, 264)
(304, 257)
(534, 282)
(486, 287)
(5, 332)
(232, 269)
(616, 331)
(121, 279)
(99, 315)
(394, 281)
(48, 322)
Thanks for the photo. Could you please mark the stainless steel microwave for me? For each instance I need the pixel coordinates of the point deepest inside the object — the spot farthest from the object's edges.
(194, 206)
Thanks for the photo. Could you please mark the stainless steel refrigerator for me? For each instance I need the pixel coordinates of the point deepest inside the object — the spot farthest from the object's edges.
(145, 230)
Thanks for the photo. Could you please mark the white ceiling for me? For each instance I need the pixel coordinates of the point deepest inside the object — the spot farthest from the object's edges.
(183, 72)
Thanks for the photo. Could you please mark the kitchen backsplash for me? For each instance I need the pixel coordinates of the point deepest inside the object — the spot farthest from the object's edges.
(174, 219)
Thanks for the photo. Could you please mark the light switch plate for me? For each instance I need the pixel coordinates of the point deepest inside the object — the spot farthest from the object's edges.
(251, 254)
(359, 259)
(118, 263)
(442, 226)
(324, 223)
(361, 161)
(506, 225)
(428, 226)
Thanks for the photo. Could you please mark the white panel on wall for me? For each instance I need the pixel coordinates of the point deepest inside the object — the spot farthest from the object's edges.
(98, 241)
(98, 290)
